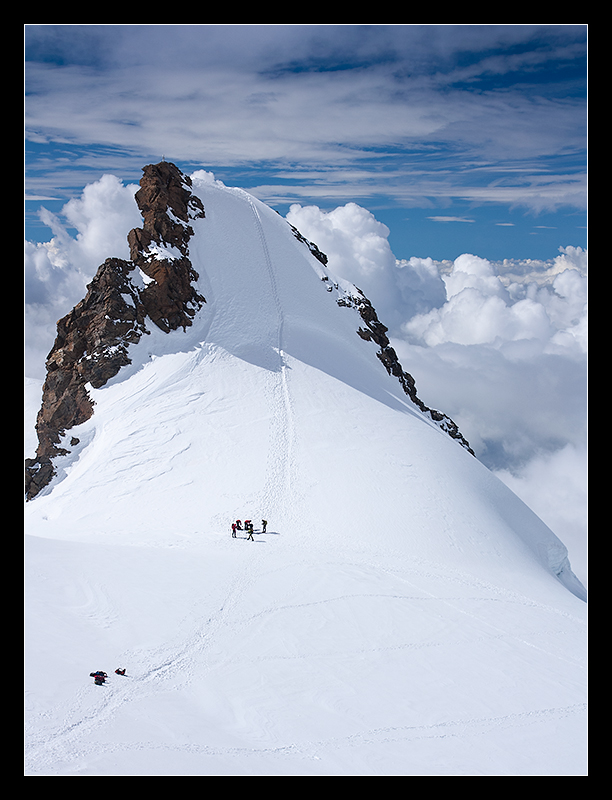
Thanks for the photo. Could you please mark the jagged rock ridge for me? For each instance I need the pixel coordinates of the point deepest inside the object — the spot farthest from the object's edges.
(377, 332)
(157, 285)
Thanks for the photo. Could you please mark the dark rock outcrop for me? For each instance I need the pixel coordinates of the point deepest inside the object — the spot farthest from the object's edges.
(161, 247)
(93, 340)
(310, 245)
(376, 332)
(90, 347)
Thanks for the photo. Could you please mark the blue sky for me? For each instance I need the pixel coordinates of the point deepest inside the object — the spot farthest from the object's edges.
(460, 138)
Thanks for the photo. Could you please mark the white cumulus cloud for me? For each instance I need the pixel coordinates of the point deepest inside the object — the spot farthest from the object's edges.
(481, 309)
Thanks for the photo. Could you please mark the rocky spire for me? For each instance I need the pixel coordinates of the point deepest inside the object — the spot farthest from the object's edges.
(161, 247)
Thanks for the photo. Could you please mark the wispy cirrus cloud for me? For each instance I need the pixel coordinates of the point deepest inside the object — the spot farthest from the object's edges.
(431, 110)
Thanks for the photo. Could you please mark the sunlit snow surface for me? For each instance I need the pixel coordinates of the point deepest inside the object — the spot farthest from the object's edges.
(401, 615)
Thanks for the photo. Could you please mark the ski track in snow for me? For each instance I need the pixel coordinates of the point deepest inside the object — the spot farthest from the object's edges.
(279, 482)
(173, 668)
(71, 747)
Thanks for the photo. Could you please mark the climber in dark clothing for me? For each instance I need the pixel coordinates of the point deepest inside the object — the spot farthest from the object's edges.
(264, 525)
(120, 671)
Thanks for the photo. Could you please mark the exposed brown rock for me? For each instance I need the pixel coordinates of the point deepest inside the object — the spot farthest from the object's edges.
(161, 247)
(90, 348)
(164, 188)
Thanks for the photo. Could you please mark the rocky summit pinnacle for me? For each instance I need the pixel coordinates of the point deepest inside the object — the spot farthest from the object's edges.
(161, 247)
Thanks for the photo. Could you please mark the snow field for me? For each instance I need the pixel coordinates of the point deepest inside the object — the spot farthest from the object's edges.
(401, 616)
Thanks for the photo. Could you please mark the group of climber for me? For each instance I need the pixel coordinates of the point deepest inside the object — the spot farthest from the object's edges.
(100, 677)
(248, 527)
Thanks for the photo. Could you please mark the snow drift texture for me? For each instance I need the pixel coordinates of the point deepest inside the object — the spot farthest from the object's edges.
(404, 613)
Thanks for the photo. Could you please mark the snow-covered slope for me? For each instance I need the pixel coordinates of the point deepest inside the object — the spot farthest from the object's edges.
(403, 614)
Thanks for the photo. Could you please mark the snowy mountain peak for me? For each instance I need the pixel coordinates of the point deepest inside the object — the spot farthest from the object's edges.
(159, 286)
